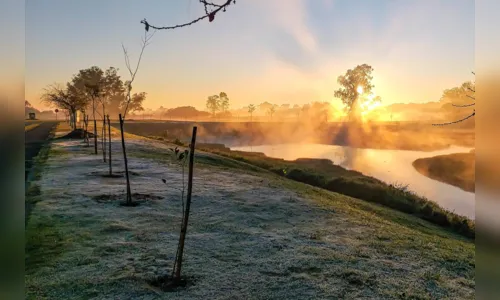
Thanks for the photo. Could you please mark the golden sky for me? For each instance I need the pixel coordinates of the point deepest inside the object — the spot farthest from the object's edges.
(280, 51)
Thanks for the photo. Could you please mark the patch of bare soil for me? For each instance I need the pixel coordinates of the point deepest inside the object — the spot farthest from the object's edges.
(76, 134)
(167, 283)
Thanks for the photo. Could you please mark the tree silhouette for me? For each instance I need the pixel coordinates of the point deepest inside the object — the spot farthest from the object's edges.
(224, 102)
(354, 83)
(64, 98)
(251, 109)
(271, 111)
(213, 104)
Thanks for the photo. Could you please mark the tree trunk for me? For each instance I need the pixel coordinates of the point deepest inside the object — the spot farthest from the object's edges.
(182, 236)
(73, 112)
(95, 136)
(87, 130)
(109, 138)
(129, 194)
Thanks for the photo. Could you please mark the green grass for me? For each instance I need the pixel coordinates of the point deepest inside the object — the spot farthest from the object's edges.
(44, 242)
(322, 173)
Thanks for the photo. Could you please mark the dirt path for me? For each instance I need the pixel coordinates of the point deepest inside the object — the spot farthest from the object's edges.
(251, 236)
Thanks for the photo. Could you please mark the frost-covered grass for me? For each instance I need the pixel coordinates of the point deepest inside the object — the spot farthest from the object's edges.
(252, 235)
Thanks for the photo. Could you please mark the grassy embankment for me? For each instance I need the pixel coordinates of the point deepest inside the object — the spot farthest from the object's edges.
(324, 174)
(457, 169)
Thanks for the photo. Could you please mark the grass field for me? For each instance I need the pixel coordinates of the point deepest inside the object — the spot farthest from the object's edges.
(457, 169)
(253, 234)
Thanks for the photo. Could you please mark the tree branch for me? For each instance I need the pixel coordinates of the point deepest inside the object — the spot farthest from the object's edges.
(208, 14)
(458, 121)
(465, 105)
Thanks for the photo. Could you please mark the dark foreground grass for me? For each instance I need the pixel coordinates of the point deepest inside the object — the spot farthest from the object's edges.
(324, 174)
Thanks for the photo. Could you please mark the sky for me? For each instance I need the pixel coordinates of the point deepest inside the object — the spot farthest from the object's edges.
(280, 51)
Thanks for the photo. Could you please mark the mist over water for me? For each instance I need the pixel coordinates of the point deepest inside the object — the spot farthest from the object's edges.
(391, 166)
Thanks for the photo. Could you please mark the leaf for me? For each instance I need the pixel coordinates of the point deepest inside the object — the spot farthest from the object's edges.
(186, 152)
(181, 156)
(164, 180)
(171, 149)
(176, 150)
(211, 16)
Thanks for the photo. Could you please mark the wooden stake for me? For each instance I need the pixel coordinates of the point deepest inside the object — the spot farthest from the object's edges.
(95, 136)
(109, 135)
(129, 194)
(188, 205)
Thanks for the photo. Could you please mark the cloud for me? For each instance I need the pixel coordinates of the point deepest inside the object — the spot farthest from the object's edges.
(289, 37)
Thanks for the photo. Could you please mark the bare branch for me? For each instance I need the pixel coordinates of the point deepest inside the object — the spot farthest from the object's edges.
(145, 42)
(465, 105)
(208, 14)
(458, 121)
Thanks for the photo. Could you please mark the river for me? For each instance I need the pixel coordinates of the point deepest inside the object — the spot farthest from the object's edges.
(391, 166)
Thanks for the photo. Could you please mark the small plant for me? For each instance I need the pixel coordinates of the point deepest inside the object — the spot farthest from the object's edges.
(180, 157)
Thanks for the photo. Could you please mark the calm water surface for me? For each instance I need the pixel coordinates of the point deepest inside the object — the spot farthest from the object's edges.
(391, 166)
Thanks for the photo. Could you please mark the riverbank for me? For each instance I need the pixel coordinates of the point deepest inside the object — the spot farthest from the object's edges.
(457, 169)
(251, 233)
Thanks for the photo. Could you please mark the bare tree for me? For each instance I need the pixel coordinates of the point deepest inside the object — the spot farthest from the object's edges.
(271, 111)
(128, 100)
(251, 109)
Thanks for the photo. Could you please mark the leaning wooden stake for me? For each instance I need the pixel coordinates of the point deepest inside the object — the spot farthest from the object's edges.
(109, 135)
(182, 236)
(129, 194)
(95, 136)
